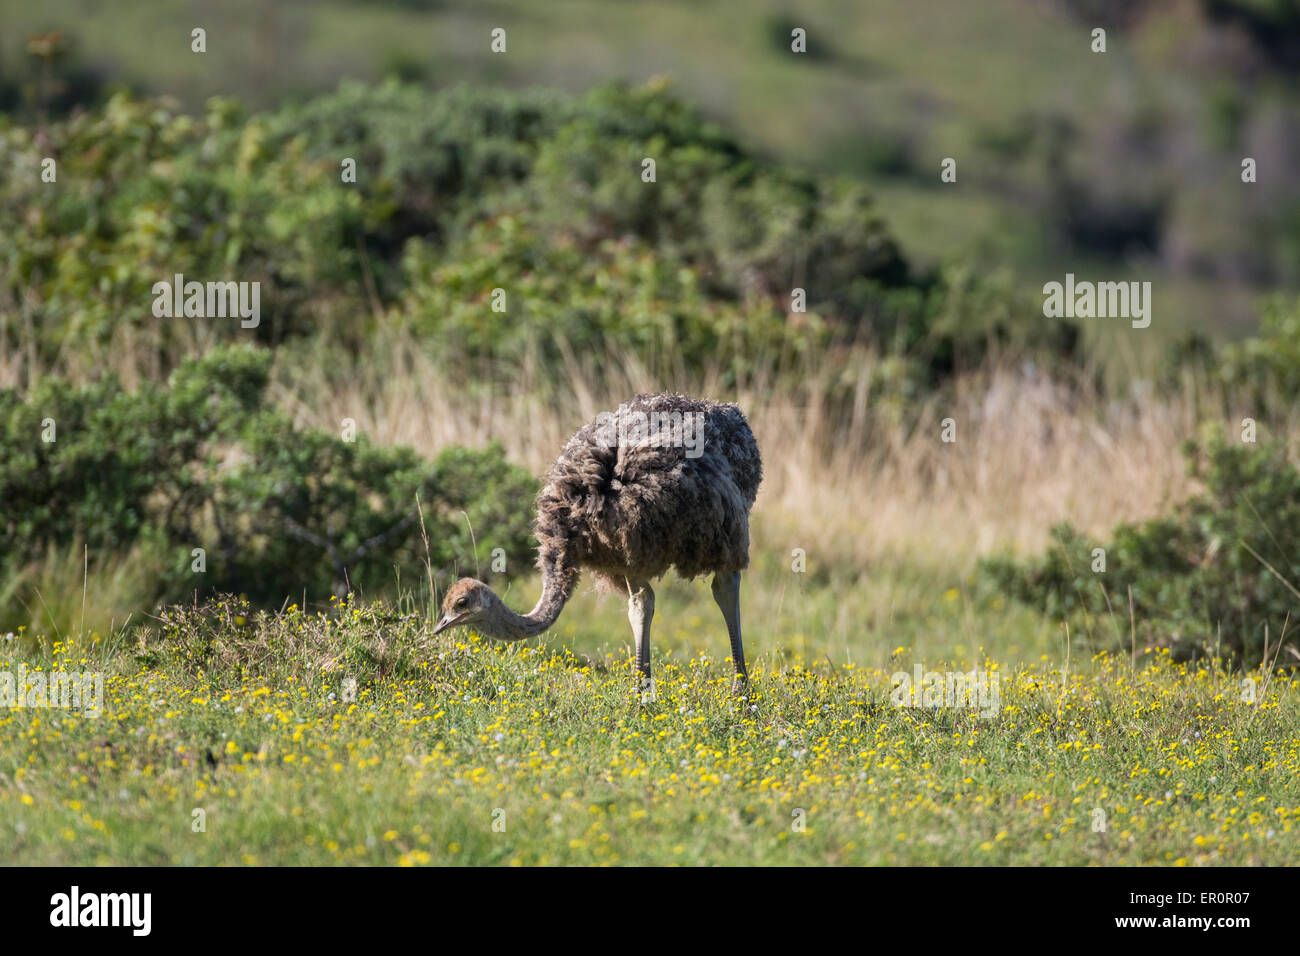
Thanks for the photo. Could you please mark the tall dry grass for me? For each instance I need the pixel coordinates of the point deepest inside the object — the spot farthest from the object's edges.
(856, 481)
(866, 487)
(855, 484)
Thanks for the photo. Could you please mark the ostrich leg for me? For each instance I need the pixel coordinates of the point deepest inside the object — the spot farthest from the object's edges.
(726, 591)
(640, 611)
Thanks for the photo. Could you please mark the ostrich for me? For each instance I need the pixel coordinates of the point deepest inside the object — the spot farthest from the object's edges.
(663, 482)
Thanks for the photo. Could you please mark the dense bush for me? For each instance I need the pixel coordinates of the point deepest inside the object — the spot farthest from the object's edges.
(458, 193)
(201, 462)
(1258, 375)
(1205, 580)
(1265, 368)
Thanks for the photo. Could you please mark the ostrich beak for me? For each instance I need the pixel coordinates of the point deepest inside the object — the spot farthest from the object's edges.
(447, 621)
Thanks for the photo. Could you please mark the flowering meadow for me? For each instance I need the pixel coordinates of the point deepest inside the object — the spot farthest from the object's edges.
(229, 736)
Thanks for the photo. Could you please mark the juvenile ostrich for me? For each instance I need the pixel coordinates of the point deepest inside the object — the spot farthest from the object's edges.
(662, 482)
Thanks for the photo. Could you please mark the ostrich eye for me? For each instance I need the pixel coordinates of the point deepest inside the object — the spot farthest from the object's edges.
(461, 604)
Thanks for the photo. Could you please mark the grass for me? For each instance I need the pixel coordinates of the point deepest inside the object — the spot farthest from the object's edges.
(454, 750)
(856, 489)
(887, 517)
(457, 751)
(242, 715)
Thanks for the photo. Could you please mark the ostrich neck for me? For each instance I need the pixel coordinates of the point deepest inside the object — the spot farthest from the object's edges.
(557, 586)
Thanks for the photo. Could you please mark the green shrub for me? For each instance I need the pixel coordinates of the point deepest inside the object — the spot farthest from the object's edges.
(200, 462)
(144, 193)
(1265, 368)
(1205, 580)
(457, 193)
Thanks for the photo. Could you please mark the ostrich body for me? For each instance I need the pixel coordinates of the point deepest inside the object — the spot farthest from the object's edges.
(662, 482)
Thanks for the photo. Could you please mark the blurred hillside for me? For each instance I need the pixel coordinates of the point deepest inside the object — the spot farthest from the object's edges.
(1125, 163)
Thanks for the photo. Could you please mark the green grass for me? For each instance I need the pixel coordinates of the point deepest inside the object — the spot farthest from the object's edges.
(244, 717)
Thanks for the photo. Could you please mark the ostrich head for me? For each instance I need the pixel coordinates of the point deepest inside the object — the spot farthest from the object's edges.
(468, 602)
(471, 603)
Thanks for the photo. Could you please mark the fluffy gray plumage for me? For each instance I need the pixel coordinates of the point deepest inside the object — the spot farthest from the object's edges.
(628, 510)
(631, 512)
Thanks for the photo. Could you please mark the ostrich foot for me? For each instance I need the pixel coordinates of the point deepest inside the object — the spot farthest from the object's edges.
(645, 688)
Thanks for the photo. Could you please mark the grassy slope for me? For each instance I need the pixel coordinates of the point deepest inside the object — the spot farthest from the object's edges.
(448, 733)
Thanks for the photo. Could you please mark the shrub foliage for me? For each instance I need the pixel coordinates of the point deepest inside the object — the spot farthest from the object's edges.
(458, 193)
(201, 462)
(1206, 580)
